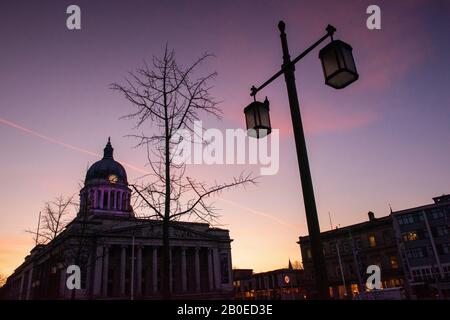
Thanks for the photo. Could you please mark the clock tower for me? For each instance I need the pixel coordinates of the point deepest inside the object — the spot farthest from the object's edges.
(106, 191)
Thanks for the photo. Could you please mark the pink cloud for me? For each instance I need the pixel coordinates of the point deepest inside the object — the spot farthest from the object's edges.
(382, 56)
(320, 119)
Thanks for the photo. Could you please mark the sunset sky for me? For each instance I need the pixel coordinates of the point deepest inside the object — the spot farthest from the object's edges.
(383, 140)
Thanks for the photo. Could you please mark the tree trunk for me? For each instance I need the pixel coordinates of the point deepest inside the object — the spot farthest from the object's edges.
(166, 220)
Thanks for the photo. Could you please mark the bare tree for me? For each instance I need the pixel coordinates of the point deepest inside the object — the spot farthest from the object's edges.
(54, 218)
(167, 97)
(297, 265)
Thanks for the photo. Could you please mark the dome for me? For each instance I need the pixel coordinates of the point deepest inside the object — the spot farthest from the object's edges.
(107, 168)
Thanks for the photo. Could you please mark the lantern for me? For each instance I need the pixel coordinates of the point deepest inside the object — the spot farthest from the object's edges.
(257, 119)
(338, 64)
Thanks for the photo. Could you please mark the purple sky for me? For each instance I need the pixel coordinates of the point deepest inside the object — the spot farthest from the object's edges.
(385, 139)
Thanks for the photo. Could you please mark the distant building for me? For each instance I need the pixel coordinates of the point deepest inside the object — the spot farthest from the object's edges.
(350, 250)
(280, 284)
(424, 234)
(120, 255)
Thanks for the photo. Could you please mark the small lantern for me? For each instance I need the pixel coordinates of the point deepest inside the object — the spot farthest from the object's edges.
(338, 64)
(257, 119)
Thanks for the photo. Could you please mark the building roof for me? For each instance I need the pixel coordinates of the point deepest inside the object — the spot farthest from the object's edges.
(440, 201)
(373, 222)
(106, 167)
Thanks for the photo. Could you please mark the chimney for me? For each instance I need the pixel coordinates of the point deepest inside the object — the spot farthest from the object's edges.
(441, 199)
(371, 216)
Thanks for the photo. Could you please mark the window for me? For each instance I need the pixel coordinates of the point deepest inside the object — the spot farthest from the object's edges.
(405, 219)
(437, 213)
(409, 218)
(333, 249)
(416, 253)
(394, 262)
(444, 248)
(224, 268)
(440, 231)
(410, 236)
(105, 199)
(372, 241)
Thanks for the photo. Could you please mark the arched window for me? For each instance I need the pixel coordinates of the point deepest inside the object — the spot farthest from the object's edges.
(105, 199)
(119, 200)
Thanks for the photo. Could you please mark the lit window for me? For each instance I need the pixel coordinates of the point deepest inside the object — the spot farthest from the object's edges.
(410, 236)
(394, 262)
(372, 241)
(354, 288)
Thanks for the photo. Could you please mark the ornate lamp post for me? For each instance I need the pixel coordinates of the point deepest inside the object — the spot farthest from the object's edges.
(339, 71)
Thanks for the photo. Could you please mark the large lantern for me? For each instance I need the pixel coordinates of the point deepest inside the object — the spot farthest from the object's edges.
(338, 64)
(257, 119)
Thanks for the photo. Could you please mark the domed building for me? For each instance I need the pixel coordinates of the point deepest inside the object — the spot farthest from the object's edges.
(106, 190)
(118, 254)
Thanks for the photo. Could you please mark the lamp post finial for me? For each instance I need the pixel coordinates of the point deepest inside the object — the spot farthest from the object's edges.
(281, 26)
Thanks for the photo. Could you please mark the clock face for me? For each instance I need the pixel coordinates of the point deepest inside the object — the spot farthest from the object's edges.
(113, 178)
(286, 279)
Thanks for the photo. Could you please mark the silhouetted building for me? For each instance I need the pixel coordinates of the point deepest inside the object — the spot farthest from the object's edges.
(424, 234)
(280, 284)
(355, 247)
(120, 255)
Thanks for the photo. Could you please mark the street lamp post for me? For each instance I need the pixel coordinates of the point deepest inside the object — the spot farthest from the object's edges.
(339, 70)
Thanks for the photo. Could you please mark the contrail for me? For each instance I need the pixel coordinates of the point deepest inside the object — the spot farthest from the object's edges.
(262, 214)
(63, 144)
(132, 167)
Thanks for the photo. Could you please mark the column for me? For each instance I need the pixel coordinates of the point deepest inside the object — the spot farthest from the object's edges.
(102, 194)
(98, 271)
(62, 283)
(22, 280)
(197, 269)
(30, 279)
(139, 271)
(216, 260)
(210, 270)
(230, 268)
(105, 271)
(123, 266)
(94, 199)
(155, 269)
(183, 270)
